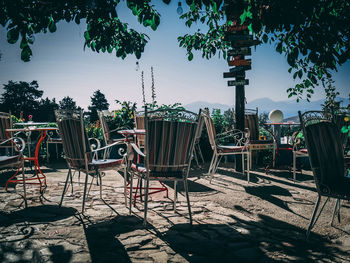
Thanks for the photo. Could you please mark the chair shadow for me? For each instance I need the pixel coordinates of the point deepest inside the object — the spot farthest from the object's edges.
(193, 187)
(269, 193)
(265, 236)
(36, 214)
(102, 238)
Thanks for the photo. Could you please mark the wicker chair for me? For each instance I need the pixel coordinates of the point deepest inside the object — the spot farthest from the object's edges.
(78, 153)
(324, 145)
(255, 143)
(169, 143)
(240, 141)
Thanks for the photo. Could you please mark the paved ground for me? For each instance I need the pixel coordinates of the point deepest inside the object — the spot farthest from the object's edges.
(234, 221)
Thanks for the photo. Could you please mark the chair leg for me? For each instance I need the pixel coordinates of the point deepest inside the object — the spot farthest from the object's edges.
(248, 168)
(65, 187)
(71, 179)
(294, 166)
(47, 152)
(24, 187)
(175, 195)
(146, 202)
(85, 188)
(125, 197)
(188, 200)
(130, 185)
(218, 160)
(313, 220)
(99, 175)
(336, 209)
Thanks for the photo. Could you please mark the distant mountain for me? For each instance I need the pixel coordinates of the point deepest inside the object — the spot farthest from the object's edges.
(289, 108)
(195, 106)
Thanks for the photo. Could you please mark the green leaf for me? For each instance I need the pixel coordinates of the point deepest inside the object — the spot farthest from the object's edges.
(344, 129)
(110, 49)
(190, 56)
(265, 38)
(290, 70)
(12, 35)
(26, 54)
(87, 35)
(52, 27)
(250, 27)
(300, 73)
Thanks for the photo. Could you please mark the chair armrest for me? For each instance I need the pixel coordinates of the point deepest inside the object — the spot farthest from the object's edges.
(16, 141)
(96, 145)
(107, 146)
(132, 147)
(239, 137)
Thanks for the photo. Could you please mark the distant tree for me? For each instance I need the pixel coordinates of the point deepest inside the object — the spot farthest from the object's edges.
(21, 97)
(46, 110)
(98, 103)
(67, 103)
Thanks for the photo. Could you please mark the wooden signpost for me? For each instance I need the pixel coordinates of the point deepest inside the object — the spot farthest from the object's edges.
(236, 28)
(234, 74)
(235, 37)
(240, 62)
(240, 68)
(246, 43)
(246, 51)
(238, 82)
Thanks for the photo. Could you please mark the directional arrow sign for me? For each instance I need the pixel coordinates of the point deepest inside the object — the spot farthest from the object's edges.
(240, 68)
(245, 43)
(234, 37)
(237, 28)
(235, 74)
(240, 51)
(238, 82)
(240, 62)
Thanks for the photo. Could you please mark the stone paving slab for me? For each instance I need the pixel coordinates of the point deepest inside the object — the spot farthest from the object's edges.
(263, 221)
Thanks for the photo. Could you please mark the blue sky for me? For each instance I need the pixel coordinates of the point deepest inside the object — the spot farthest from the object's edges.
(63, 68)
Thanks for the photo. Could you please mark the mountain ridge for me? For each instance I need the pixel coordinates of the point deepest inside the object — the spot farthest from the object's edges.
(289, 108)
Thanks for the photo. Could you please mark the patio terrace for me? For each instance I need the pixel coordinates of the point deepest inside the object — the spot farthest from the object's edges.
(234, 221)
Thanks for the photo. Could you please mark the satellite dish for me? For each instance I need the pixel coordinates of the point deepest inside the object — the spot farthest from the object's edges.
(276, 116)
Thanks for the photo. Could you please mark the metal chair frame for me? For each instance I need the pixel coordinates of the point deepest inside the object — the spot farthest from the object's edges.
(171, 115)
(241, 141)
(89, 156)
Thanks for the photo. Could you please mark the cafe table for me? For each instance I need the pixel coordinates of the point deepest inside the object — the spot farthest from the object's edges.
(129, 138)
(39, 175)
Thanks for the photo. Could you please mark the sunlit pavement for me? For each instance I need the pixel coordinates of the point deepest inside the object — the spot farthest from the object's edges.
(234, 221)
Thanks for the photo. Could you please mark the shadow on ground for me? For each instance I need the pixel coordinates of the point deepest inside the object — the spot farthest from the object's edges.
(36, 214)
(225, 243)
(102, 238)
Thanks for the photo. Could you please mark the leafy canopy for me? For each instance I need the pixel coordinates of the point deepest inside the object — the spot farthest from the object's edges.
(314, 35)
(105, 31)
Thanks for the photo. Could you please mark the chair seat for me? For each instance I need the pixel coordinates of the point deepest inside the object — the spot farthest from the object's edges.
(142, 172)
(261, 142)
(105, 163)
(341, 189)
(9, 160)
(230, 149)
